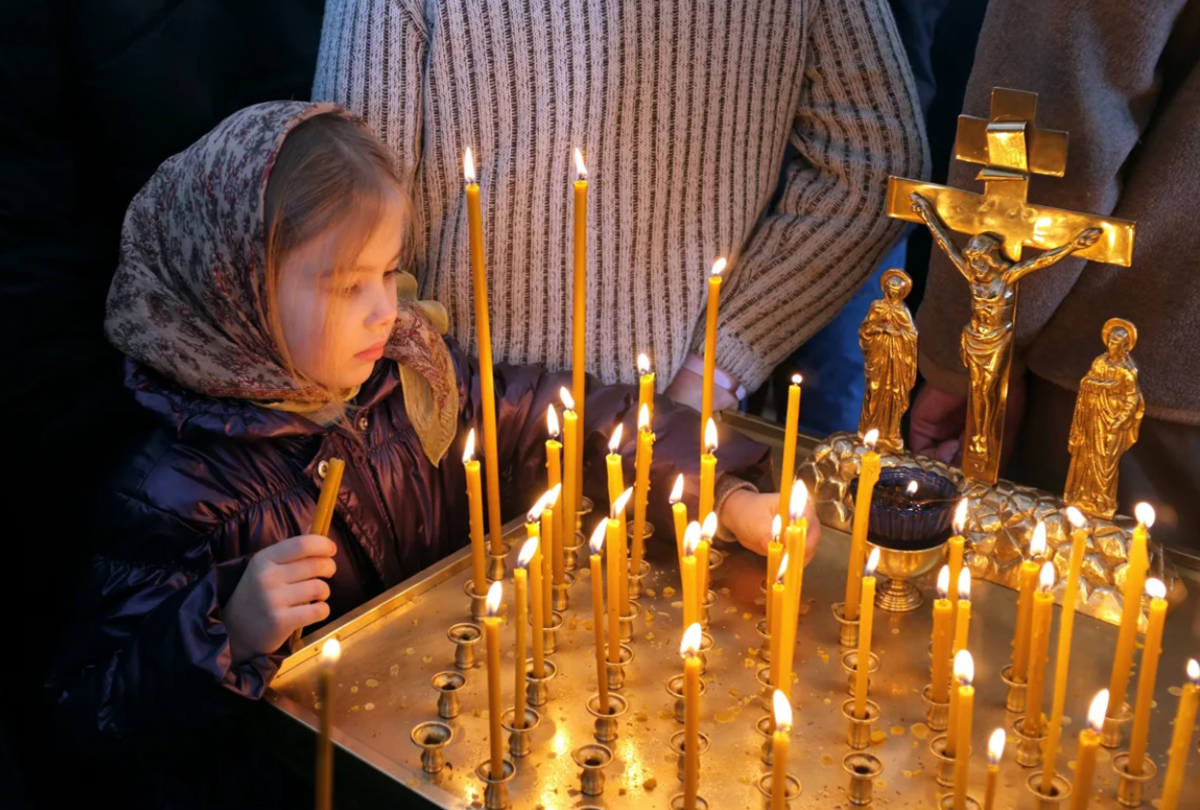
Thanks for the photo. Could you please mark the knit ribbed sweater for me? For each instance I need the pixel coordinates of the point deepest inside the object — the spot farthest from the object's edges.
(683, 110)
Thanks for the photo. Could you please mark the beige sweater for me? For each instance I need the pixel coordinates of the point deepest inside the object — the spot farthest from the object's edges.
(683, 110)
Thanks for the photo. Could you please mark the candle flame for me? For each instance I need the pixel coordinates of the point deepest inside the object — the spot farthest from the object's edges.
(618, 506)
(708, 529)
(596, 543)
(1096, 712)
(677, 490)
(614, 443)
(552, 422)
(872, 563)
(527, 551)
(1193, 670)
(1076, 517)
(331, 651)
(799, 500)
(469, 166)
(1155, 588)
(542, 503)
(995, 747)
(783, 712)
(643, 363)
(710, 436)
(718, 266)
(644, 417)
(1144, 513)
(776, 528)
(783, 564)
(567, 401)
(870, 437)
(960, 516)
(493, 598)
(911, 489)
(797, 379)
(964, 668)
(691, 538)
(1037, 543)
(691, 640)
(469, 452)
(943, 582)
(580, 168)
(1046, 577)
(964, 585)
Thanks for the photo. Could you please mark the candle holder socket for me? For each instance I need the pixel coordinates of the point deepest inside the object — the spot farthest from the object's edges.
(863, 769)
(447, 685)
(858, 734)
(710, 599)
(1131, 786)
(638, 578)
(585, 508)
(706, 645)
(764, 649)
(496, 563)
(679, 802)
(431, 737)
(478, 602)
(850, 667)
(946, 802)
(766, 728)
(616, 671)
(593, 759)
(766, 782)
(1014, 700)
(677, 742)
(550, 633)
(716, 558)
(1060, 791)
(571, 553)
(626, 623)
(1113, 733)
(937, 717)
(518, 738)
(465, 637)
(537, 690)
(1029, 747)
(495, 794)
(606, 729)
(558, 593)
(847, 628)
(944, 773)
(675, 690)
(766, 691)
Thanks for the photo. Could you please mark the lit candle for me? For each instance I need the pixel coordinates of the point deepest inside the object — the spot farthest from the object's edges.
(571, 478)
(550, 543)
(617, 547)
(679, 512)
(641, 486)
(579, 324)
(483, 337)
(475, 505)
(1181, 737)
(866, 622)
(645, 386)
(956, 545)
(616, 473)
(596, 545)
(962, 613)
(943, 632)
(791, 427)
(521, 586)
(491, 633)
(862, 519)
(708, 530)
(708, 468)
(538, 613)
(779, 750)
(710, 345)
(774, 555)
(1147, 674)
(1062, 660)
(1085, 759)
(690, 650)
(554, 479)
(616, 562)
(964, 673)
(1027, 578)
(331, 650)
(776, 599)
(1135, 582)
(1039, 645)
(995, 751)
(797, 538)
(690, 583)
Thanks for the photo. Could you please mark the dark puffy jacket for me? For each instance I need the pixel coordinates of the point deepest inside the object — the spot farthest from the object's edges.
(220, 479)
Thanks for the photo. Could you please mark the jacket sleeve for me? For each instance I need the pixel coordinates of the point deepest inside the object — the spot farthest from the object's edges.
(149, 652)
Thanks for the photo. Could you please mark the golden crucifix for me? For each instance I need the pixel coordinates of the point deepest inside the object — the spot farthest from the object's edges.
(1000, 222)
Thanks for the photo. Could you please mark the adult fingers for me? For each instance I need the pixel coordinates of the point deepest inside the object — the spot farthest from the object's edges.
(299, 547)
(301, 593)
(308, 568)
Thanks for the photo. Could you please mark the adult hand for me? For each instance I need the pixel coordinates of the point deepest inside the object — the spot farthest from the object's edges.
(748, 516)
(938, 420)
(687, 388)
(281, 591)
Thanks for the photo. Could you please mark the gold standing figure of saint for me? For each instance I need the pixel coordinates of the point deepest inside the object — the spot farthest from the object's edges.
(1108, 413)
(888, 339)
(999, 223)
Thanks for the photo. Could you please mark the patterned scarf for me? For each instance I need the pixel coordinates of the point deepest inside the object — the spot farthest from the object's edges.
(189, 295)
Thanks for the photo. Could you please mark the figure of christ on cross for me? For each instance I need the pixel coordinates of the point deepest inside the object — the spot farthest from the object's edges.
(987, 339)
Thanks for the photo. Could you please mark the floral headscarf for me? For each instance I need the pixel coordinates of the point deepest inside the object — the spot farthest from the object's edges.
(189, 295)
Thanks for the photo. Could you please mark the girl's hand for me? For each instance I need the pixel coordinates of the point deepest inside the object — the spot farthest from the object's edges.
(281, 591)
(748, 516)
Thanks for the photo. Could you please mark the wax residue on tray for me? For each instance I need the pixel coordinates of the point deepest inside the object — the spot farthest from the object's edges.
(920, 731)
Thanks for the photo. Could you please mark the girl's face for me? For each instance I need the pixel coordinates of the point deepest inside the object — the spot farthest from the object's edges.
(336, 322)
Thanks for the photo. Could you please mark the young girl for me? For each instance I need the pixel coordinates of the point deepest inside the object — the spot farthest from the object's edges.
(257, 301)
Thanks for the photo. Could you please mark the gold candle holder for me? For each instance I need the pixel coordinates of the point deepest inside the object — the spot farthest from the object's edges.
(944, 773)
(850, 667)
(447, 685)
(537, 690)
(495, 793)
(766, 691)
(496, 563)
(606, 730)
(677, 743)
(706, 645)
(847, 628)
(946, 802)
(636, 578)
(766, 782)
(571, 553)
(1029, 748)
(1130, 786)
(593, 759)
(675, 690)
(518, 738)
(1014, 700)
(1113, 733)
(465, 637)
(626, 622)
(431, 737)
(937, 717)
(478, 601)
(858, 734)
(558, 593)
(679, 802)
(863, 770)
(766, 729)
(764, 648)
(616, 671)
(1060, 791)
(550, 633)
(710, 599)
